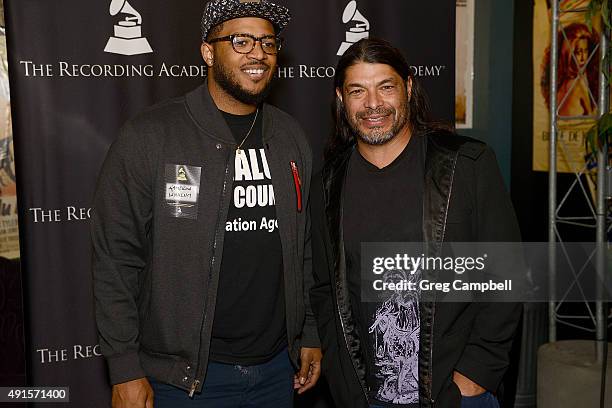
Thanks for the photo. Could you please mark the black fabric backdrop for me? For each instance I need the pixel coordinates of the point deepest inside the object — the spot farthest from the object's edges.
(63, 125)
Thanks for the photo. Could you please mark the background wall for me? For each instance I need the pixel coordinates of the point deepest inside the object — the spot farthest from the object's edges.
(65, 119)
(493, 43)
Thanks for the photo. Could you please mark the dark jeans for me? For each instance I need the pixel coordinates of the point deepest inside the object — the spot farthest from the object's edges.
(265, 385)
(486, 400)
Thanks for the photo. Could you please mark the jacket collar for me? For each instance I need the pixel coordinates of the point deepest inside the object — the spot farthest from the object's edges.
(333, 176)
(440, 159)
(209, 119)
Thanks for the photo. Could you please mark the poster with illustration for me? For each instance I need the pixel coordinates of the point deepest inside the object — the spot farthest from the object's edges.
(9, 229)
(577, 81)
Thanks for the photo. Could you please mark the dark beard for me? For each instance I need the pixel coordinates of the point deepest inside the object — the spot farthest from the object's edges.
(229, 84)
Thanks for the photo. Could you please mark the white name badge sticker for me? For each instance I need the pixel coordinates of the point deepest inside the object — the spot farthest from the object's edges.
(182, 193)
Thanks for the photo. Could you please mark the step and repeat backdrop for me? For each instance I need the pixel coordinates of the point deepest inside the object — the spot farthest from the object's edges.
(76, 75)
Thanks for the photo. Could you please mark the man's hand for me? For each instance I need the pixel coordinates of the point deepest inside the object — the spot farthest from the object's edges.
(467, 387)
(133, 394)
(310, 369)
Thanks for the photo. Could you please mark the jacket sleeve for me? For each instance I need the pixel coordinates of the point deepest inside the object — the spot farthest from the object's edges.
(485, 359)
(120, 220)
(310, 335)
(321, 292)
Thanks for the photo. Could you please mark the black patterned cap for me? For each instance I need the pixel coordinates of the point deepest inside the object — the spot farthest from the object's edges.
(219, 11)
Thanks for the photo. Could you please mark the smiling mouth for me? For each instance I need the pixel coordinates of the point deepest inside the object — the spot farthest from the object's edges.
(257, 73)
(375, 119)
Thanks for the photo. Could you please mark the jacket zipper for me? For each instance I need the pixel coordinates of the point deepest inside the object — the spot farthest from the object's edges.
(194, 386)
(196, 382)
(298, 185)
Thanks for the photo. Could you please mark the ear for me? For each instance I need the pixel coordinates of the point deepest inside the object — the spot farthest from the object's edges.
(207, 54)
(339, 95)
(409, 88)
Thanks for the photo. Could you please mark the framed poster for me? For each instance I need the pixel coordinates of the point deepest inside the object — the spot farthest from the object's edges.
(464, 64)
(577, 83)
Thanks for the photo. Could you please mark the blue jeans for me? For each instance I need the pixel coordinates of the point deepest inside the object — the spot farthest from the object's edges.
(485, 400)
(264, 385)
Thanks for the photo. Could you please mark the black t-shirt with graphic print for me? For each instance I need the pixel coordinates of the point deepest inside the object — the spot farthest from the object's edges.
(385, 205)
(249, 326)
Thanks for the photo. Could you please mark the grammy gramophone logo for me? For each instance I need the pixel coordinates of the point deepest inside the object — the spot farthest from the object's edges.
(360, 28)
(181, 174)
(128, 39)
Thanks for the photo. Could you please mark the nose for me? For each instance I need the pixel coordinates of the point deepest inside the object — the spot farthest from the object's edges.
(257, 52)
(373, 100)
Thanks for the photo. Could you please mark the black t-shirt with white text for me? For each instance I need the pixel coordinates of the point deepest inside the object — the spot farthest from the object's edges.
(249, 326)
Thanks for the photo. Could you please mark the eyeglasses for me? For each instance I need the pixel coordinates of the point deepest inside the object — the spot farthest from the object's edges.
(245, 43)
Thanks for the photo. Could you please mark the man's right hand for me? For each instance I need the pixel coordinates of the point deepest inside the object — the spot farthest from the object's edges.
(133, 394)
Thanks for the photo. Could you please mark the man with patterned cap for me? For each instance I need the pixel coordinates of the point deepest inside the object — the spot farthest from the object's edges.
(201, 238)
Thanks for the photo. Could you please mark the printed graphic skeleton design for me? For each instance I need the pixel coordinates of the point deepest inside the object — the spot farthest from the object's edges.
(395, 333)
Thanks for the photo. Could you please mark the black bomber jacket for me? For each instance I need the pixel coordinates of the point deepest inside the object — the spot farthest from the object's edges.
(155, 271)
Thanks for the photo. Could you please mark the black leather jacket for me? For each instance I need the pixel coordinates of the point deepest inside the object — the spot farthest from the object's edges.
(464, 200)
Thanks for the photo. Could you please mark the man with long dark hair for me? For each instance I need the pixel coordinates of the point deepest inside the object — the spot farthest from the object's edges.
(393, 175)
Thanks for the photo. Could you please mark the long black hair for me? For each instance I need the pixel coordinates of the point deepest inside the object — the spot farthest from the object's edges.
(377, 51)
